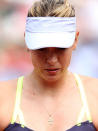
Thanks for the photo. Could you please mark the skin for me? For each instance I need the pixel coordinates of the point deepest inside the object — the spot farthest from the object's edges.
(51, 57)
(43, 93)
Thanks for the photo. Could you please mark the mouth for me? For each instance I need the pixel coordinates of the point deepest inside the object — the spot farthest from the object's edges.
(52, 69)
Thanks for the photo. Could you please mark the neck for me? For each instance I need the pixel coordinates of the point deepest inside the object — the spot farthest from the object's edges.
(50, 88)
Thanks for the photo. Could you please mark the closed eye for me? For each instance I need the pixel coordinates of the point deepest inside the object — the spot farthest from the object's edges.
(62, 48)
(44, 49)
(41, 49)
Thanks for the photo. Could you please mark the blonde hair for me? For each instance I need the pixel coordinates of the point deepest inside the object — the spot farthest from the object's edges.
(55, 8)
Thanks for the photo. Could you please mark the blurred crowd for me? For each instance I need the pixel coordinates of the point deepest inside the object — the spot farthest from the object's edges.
(14, 60)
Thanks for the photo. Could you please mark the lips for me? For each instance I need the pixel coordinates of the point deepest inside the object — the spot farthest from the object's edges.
(52, 69)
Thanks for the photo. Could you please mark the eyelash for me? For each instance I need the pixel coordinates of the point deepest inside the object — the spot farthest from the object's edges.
(42, 49)
(62, 48)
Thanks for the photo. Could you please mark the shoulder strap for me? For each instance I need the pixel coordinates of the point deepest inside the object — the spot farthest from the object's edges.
(85, 108)
(17, 110)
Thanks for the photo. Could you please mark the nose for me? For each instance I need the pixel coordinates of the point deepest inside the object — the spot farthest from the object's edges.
(51, 55)
(51, 60)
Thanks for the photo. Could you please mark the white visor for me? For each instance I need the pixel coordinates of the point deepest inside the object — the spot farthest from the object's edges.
(42, 32)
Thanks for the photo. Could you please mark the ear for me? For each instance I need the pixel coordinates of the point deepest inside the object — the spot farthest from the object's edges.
(24, 34)
(76, 40)
(26, 46)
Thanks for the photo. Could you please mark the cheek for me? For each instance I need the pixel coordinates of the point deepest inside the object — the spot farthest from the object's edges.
(36, 60)
(65, 60)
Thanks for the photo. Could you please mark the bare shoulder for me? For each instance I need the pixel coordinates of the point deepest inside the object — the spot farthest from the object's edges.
(6, 87)
(91, 90)
(91, 87)
(90, 84)
(7, 97)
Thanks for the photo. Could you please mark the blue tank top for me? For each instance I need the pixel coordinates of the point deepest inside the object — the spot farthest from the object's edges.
(80, 126)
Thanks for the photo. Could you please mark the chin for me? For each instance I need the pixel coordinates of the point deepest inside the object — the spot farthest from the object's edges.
(51, 78)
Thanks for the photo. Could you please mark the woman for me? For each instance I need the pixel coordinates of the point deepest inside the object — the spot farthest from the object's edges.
(50, 98)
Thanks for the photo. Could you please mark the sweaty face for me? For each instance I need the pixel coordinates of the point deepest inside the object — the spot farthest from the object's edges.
(51, 63)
